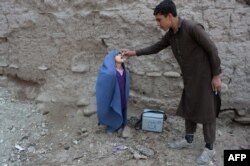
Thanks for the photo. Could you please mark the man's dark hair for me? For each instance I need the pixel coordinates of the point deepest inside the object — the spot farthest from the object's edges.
(166, 7)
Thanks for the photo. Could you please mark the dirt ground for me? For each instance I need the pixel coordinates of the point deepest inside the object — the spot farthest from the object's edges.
(58, 135)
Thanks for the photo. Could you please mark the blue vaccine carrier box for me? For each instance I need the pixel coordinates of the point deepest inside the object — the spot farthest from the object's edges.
(152, 120)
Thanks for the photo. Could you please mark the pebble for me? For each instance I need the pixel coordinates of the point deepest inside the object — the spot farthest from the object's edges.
(146, 151)
(31, 149)
(88, 112)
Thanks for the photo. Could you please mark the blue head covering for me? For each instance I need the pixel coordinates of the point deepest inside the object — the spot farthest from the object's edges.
(108, 99)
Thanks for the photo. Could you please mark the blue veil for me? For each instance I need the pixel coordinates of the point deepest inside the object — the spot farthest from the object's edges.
(108, 99)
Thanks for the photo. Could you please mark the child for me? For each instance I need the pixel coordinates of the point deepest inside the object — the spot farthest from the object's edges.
(112, 91)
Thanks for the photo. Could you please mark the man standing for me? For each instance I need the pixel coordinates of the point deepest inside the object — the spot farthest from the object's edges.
(198, 58)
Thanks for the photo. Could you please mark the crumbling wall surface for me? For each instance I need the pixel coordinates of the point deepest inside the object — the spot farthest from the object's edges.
(60, 44)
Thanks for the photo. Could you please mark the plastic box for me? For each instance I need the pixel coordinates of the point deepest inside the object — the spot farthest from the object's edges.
(152, 120)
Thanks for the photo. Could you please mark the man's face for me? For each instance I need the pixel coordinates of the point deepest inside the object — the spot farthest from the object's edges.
(163, 22)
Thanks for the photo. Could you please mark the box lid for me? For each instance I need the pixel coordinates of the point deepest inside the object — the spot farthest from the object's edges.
(148, 113)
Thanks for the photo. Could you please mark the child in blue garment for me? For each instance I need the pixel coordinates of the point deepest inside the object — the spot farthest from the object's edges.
(112, 91)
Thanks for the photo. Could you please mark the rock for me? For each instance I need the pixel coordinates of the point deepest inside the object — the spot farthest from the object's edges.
(219, 133)
(42, 151)
(224, 87)
(43, 98)
(31, 92)
(146, 151)
(245, 147)
(140, 73)
(136, 154)
(43, 68)
(40, 107)
(82, 102)
(154, 74)
(79, 112)
(75, 142)
(242, 112)
(172, 74)
(85, 134)
(44, 132)
(80, 63)
(84, 130)
(80, 68)
(19, 147)
(13, 66)
(66, 147)
(227, 114)
(242, 120)
(3, 81)
(31, 149)
(88, 112)
(3, 64)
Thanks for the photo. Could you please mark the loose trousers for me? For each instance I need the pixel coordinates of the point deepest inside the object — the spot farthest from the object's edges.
(209, 130)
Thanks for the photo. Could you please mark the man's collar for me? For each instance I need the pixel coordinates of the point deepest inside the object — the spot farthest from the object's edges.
(179, 22)
(179, 25)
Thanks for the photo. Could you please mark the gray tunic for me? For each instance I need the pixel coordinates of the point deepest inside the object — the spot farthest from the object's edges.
(198, 58)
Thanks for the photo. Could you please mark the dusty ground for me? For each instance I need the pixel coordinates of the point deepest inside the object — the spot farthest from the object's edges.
(58, 135)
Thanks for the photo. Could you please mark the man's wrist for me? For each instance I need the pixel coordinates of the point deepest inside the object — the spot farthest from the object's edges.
(216, 76)
(134, 53)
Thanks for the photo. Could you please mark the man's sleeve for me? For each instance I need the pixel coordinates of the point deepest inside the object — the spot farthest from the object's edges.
(202, 38)
(155, 48)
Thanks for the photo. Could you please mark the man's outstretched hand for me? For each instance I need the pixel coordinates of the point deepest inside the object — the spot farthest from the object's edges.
(127, 52)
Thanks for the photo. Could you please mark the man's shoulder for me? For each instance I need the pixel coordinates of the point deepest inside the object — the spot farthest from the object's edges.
(191, 23)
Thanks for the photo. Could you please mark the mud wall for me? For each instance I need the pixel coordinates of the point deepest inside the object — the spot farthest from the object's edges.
(58, 46)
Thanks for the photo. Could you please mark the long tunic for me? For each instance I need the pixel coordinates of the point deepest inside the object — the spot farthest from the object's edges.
(198, 58)
(122, 82)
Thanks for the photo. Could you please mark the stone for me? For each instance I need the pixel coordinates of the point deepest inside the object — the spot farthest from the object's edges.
(79, 68)
(3, 64)
(140, 73)
(146, 151)
(88, 111)
(80, 63)
(82, 102)
(43, 97)
(13, 66)
(242, 120)
(224, 87)
(43, 68)
(84, 130)
(3, 81)
(172, 74)
(154, 74)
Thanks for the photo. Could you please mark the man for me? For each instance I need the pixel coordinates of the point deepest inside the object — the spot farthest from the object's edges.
(200, 65)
